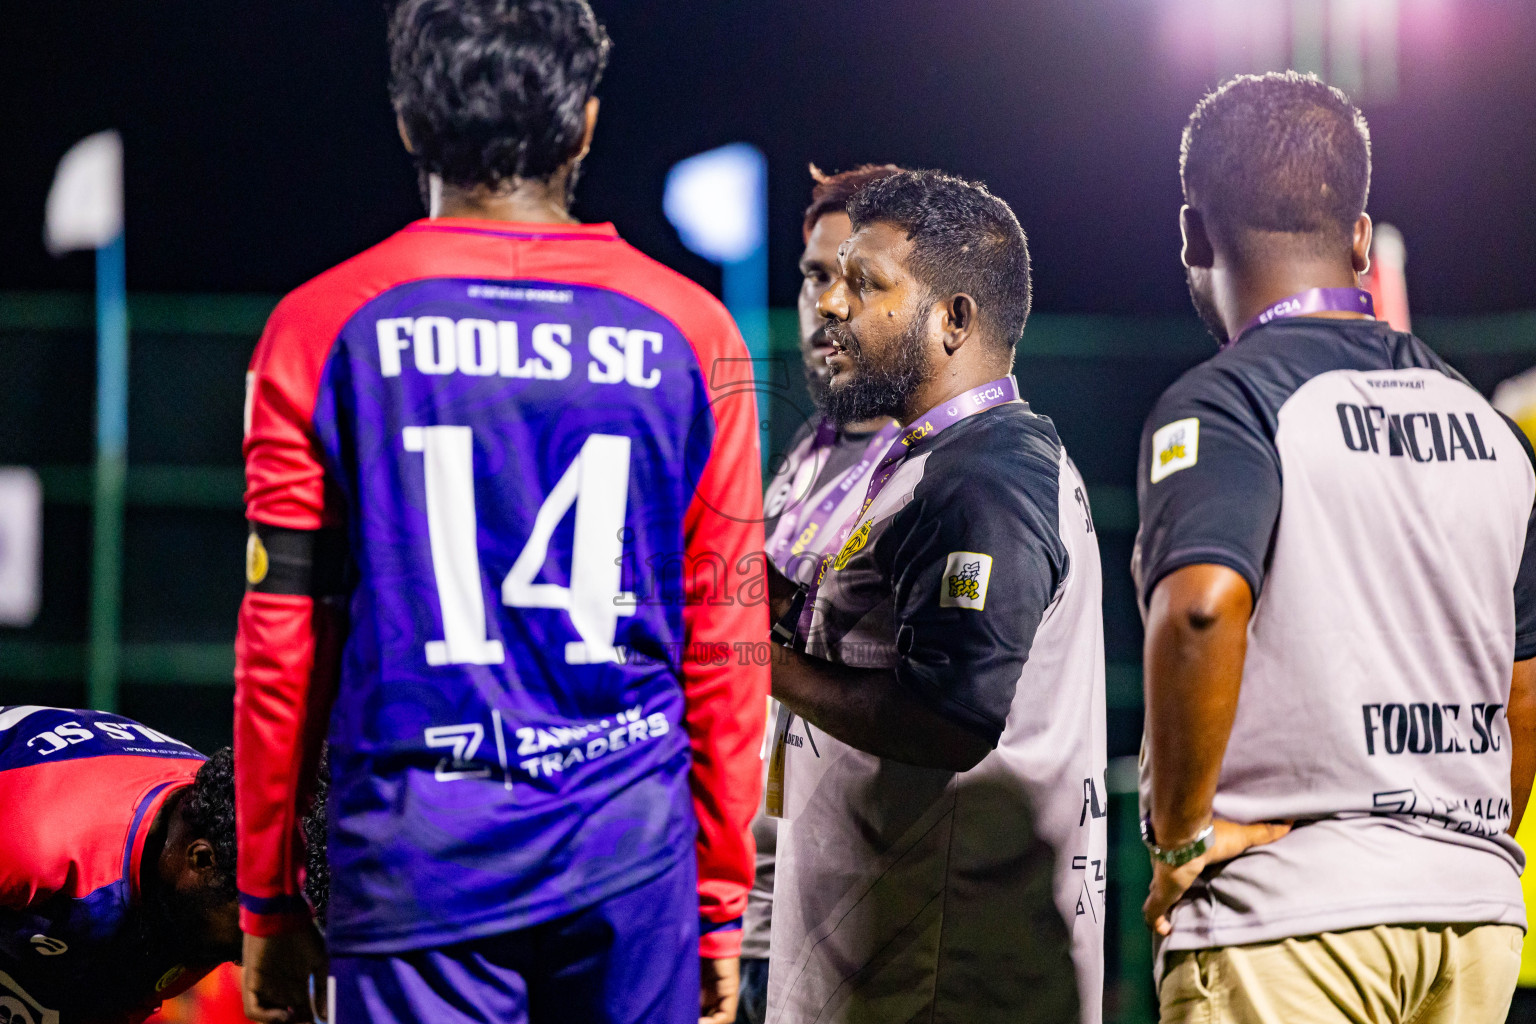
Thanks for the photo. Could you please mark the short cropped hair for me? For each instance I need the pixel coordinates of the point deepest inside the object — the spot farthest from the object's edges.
(491, 90)
(831, 192)
(964, 239)
(1281, 152)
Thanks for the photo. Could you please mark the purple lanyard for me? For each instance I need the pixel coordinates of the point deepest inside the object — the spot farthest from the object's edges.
(978, 399)
(1314, 300)
(790, 528)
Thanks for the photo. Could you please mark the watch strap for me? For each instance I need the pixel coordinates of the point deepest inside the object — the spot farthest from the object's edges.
(1178, 856)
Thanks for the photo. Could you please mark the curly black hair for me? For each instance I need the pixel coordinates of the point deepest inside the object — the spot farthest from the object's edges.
(209, 811)
(317, 868)
(964, 239)
(493, 90)
(1278, 153)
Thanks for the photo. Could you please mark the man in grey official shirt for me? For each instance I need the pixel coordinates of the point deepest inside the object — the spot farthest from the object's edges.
(1338, 572)
(939, 755)
(826, 461)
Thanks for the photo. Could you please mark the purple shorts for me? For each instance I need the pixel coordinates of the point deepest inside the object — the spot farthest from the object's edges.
(632, 959)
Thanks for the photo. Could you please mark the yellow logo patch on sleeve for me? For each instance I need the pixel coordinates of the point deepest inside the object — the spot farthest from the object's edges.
(966, 575)
(1175, 447)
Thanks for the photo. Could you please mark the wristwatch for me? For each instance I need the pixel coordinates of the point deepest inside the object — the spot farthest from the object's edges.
(1179, 855)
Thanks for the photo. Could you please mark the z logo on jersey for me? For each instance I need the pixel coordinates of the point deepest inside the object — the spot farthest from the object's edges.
(464, 740)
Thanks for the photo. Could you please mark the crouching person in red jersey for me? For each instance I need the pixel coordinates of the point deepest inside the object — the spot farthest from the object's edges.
(117, 876)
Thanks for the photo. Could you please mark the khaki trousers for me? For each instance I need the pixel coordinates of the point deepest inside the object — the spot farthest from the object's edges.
(1404, 974)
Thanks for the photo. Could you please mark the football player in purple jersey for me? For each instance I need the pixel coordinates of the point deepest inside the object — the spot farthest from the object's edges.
(505, 541)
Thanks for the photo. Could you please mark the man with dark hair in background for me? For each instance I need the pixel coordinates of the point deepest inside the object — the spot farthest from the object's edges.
(820, 484)
(939, 756)
(117, 873)
(1338, 574)
(543, 773)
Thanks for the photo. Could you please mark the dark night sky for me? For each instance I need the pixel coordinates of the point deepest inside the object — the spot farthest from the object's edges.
(260, 147)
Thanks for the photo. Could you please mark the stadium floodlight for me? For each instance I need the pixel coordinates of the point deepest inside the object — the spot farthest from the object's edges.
(718, 202)
(85, 211)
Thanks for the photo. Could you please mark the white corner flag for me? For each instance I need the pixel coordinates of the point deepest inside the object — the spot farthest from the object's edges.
(716, 200)
(85, 211)
(85, 204)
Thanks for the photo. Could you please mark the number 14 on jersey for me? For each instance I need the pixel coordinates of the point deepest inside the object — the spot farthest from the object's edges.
(596, 483)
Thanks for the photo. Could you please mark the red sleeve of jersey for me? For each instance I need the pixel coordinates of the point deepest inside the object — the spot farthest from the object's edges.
(287, 647)
(724, 685)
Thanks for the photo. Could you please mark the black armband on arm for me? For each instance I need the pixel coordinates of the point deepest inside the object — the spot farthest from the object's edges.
(304, 563)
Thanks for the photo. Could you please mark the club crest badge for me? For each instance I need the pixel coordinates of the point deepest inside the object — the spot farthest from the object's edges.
(256, 561)
(1175, 447)
(966, 575)
(852, 546)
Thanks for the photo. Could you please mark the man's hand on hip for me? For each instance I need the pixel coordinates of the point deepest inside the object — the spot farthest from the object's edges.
(1169, 884)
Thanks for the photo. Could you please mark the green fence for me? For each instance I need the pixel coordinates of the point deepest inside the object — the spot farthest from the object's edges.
(181, 579)
(231, 324)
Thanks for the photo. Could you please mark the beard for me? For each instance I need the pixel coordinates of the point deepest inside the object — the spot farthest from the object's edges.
(868, 390)
(1205, 305)
(818, 377)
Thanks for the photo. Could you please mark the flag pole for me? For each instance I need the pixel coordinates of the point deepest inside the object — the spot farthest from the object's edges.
(718, 201)
(744, 290)
(103, 669)
(85, 211)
